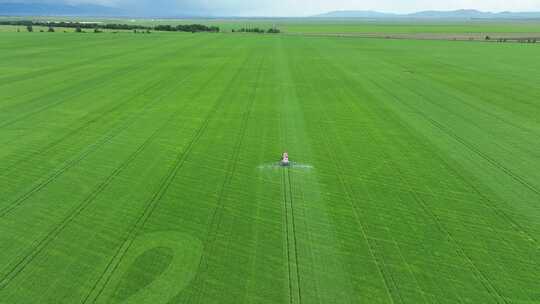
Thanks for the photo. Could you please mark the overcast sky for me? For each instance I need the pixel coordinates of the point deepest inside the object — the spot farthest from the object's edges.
(298, 7)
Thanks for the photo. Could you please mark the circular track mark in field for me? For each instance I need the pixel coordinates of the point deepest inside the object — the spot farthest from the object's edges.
(157, 268)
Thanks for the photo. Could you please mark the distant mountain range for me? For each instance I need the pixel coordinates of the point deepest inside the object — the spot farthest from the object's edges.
(42, 9)
(457, 14)
(25, 9)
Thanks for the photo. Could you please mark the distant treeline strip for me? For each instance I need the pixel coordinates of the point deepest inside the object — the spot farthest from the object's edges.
(113, 26)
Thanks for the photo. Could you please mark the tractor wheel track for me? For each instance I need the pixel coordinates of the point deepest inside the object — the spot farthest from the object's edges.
(289, 204)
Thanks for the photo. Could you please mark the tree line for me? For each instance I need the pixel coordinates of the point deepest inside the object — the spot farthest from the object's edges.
(114, 26)
(520, 40)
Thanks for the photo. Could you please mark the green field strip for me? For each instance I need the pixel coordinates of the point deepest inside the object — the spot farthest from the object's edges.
(136, 95)
(159, 99)
(27, 259)
(81, 87)
(89, 121)
(100, 186)
(489, 285)
(199, 91)
(491, 161)
(393, 294)
(488, 102)
(79, 61)
(319, 263)
(28, 61)
(84, 153)
(221, 217)
(465, 143)
(102, 282)
(413, 192)
(161, 185)
(155, 101)
(215, 220)
(461, 251)
(105, 59)
(52, 81)
(88, 200)
(81, 44)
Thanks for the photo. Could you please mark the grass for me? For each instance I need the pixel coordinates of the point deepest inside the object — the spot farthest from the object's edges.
(138, 169)
(331, 25)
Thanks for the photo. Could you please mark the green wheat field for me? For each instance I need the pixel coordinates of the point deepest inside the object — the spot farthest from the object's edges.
(144, 169)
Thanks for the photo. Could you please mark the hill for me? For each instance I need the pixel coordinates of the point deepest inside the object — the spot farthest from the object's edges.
(455, 14)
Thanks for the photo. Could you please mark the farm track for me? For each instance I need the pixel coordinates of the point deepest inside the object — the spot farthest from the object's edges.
(100, 285)
(216, 217)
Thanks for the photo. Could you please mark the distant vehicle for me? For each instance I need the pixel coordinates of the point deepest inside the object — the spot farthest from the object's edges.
(285, 159)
